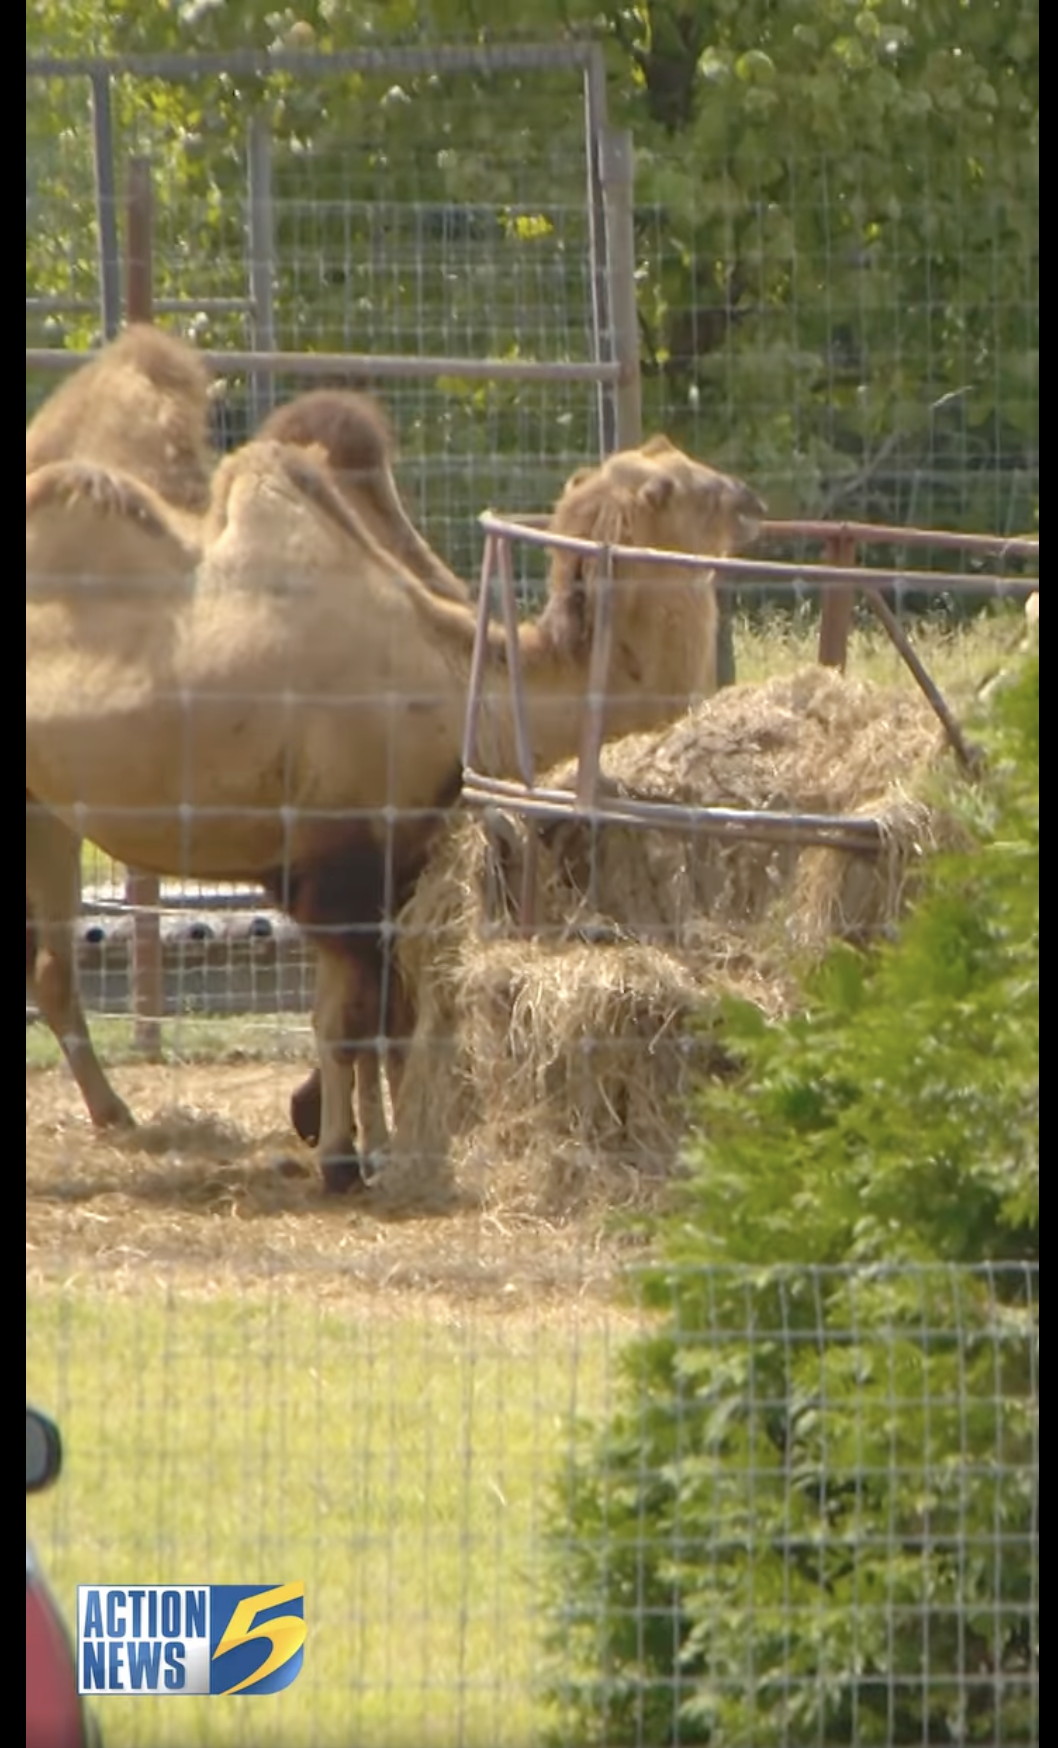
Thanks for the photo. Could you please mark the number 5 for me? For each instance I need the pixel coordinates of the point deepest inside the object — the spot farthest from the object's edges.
(285, 1633)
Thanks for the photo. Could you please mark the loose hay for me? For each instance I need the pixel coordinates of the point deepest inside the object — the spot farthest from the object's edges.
(554, 1071)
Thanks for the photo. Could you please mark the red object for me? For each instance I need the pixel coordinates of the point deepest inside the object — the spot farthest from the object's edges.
(54, 1717)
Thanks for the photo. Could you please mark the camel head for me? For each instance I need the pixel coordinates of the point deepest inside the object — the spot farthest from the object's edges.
(655, 496)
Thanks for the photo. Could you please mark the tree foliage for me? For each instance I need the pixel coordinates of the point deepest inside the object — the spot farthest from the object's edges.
(838, 216)
(811, 1514)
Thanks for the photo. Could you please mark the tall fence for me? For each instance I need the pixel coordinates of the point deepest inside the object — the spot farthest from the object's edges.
(835, 1536)
(547, 1464)
(480, 267)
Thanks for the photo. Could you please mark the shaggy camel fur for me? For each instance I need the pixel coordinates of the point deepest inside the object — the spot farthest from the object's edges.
(351, 433)
(287, 705)
(143, 406)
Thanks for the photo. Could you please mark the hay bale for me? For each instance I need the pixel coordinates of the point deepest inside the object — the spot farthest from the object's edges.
(555, 1069)
(813, 742)
(582, 1059)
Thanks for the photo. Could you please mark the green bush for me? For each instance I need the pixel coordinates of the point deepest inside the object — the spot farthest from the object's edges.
(811, 1514)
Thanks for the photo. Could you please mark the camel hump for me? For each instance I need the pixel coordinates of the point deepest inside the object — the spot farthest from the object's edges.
(299, 473)
(351, 429)
(169, 364)
(69, 484)
(85, 519)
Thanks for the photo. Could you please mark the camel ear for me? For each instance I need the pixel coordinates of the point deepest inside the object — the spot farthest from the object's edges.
(575, 480)
(565, 617)
(656, 492)
(659, 444)
(748, 504)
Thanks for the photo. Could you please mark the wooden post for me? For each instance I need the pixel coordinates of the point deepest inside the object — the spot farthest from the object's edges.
(725, 637)
(835, 618)
(142, 892)
(618, 172)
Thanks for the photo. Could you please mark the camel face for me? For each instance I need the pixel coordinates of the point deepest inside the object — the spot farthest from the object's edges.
(657, 496)
(660, 499)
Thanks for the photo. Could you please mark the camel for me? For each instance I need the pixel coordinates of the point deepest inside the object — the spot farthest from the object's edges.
(651, 496)
(285, 703)
(143, 406)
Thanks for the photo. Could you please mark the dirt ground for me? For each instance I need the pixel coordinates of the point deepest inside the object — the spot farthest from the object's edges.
(202, 1195)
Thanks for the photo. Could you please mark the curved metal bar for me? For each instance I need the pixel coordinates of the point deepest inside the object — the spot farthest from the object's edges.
(748, 570)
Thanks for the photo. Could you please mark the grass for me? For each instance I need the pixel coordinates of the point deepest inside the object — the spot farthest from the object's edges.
(187, 1038)
(396, 1465)
(959, 657)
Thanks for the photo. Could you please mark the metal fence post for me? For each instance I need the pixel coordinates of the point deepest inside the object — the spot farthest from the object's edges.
(618, 161)
(594, 130)
(262, 245)
(142, 891)
(106, 206)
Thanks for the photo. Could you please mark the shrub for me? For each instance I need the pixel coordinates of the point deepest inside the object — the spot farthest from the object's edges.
(811, 1515)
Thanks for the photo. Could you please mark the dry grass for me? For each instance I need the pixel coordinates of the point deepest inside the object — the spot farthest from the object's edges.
(195, 1197)
(549, 1076)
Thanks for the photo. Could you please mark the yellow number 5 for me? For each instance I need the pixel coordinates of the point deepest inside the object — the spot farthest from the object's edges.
(285, 1634)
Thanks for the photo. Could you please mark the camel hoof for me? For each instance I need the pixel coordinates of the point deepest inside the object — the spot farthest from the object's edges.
(287, 1166)
(372, 1165)
(342, 1175)
(305, 1110)
(114, 1116)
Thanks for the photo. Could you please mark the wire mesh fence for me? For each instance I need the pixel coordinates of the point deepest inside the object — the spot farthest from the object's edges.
(527, 1503)
(797, 1504)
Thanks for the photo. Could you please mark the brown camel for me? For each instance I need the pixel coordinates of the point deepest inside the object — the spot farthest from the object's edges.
(652, 496)
(143, 406)
(287, 705)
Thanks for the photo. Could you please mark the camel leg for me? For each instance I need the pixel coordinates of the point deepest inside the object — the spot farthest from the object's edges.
(53, 894)
(370, 1061)
(382, 1059)
(371, 1127)
(346, 1011)
(372, 1130)
(305, 1108)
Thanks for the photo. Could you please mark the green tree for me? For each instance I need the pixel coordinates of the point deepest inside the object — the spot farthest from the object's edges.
(812, 1513)
(837, 234)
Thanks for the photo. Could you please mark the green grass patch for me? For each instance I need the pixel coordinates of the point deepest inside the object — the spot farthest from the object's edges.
(396, 1464)
(960, 657)
(187, 1038)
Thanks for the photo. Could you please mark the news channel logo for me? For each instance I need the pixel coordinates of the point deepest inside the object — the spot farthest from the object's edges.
(189, 1638)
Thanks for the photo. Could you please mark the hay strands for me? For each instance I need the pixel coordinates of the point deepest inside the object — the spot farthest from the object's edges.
(858, 834)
